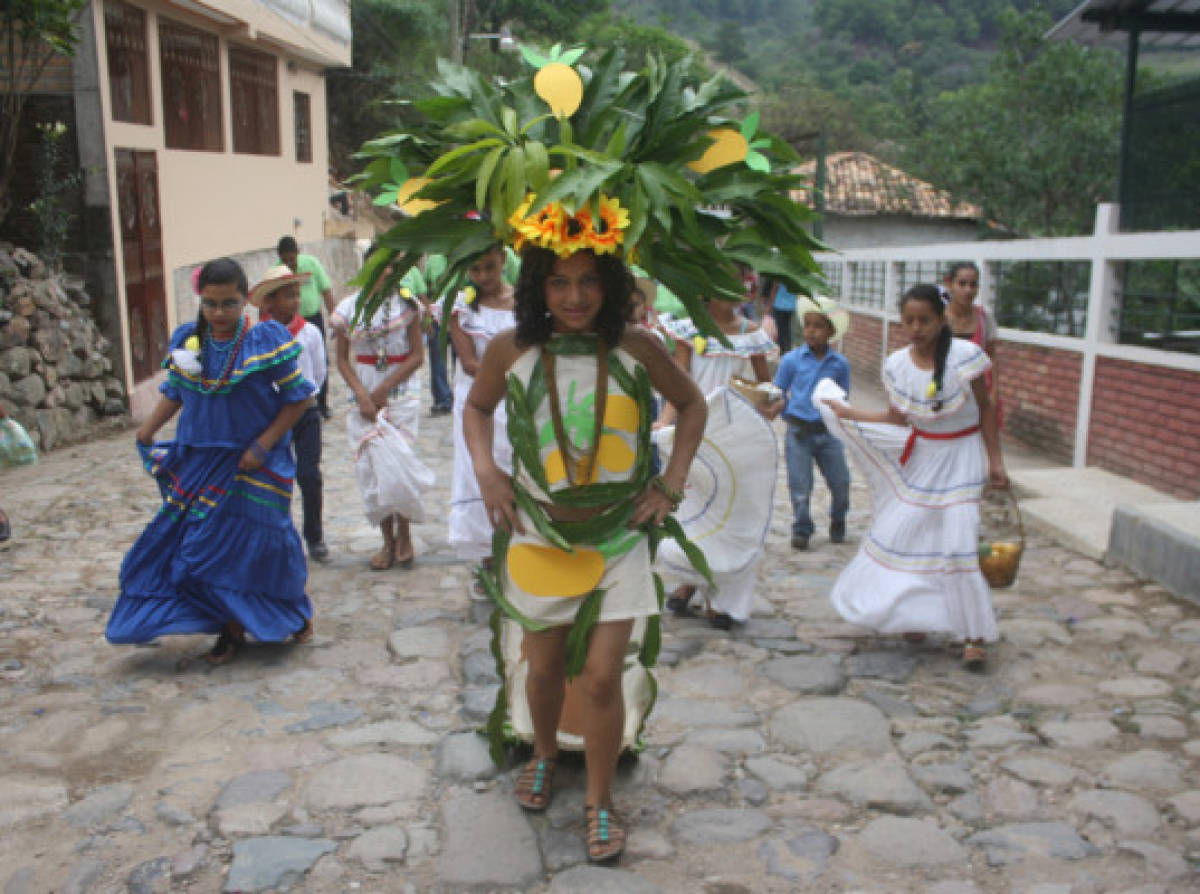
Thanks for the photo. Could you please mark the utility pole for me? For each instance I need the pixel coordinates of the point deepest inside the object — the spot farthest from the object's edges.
(456, 39)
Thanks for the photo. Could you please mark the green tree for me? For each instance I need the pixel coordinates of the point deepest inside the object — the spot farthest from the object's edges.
(33, 33)
(1036, 143)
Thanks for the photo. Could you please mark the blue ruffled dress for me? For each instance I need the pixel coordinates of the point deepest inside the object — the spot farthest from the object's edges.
(222, 547)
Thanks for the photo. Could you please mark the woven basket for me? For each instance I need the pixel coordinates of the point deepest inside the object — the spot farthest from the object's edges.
(999, 559)
(758, 397)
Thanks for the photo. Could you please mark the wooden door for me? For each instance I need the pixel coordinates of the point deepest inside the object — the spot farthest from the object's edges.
(141, 247)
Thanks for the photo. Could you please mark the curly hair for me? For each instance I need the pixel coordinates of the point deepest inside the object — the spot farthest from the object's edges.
(534, 325)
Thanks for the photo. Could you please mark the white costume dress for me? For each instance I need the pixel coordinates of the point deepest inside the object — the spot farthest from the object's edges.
(746, 469)
(470, 530)
(917, 570)
(375, 346)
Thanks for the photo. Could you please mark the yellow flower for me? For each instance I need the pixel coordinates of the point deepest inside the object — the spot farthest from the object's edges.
(932, 390)
(192, 343)
(699, 343)
(405, 292)
(611, 231)
(470, 293)
(546, 228)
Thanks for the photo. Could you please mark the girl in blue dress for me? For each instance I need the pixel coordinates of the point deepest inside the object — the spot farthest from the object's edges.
(222, 555)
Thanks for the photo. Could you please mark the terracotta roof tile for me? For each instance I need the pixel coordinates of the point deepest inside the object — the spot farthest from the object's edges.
(860, 184)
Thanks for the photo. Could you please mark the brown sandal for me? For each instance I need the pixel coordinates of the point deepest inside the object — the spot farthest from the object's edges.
(229, 643)
(535, 784)
(305, 634)
(605, 834)
(974, 656)
(384, 559)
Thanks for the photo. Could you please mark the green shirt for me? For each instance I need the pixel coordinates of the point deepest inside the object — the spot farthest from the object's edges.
(414, 282)
(310, 292)
(666, 302)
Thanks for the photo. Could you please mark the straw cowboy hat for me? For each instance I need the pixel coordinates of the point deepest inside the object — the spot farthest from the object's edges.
(275, 278)
(838, 317)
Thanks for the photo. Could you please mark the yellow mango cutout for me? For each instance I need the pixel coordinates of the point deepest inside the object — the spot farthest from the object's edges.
(621, 413)
(560, 86)
(729, 147)
(615, 454)
(548, 571)
(410, 205)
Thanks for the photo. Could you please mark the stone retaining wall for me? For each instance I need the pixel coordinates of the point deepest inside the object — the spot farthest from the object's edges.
(56, 375)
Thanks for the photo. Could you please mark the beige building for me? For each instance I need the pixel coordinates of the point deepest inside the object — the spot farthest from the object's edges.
(202, 129)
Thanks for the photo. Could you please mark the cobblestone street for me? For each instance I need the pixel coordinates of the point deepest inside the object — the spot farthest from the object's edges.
(790, 755)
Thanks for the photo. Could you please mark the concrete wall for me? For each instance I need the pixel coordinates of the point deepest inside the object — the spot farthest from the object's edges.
(844, 232)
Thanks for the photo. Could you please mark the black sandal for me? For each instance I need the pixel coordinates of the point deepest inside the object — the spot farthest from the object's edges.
(5, 528)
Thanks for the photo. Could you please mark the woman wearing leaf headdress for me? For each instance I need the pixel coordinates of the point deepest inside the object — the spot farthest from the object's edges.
(581, 175)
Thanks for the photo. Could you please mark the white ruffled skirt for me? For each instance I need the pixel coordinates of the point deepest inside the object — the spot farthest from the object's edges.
(917, 570)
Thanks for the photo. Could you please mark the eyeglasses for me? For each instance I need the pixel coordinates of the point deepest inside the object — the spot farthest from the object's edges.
(226, 304)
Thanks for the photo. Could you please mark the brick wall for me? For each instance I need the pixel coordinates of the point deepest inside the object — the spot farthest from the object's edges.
(1039, 389)
(1145, 425)
(861, 345)
(896, 339)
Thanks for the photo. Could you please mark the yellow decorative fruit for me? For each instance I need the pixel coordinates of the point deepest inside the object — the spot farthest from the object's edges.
(621, 413)
(728, 147)
(192, 343)
(560, 86)
(549, 571)
(410, 205)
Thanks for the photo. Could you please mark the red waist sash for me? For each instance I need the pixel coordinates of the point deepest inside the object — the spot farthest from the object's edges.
(933, 436)
(372, 359)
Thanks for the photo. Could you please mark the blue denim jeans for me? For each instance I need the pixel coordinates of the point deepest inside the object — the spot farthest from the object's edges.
(439, 388)
(306, 442)
(800, 450)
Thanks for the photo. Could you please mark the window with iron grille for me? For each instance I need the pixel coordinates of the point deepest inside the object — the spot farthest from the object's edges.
(191, 87)
(1043, 296)
(832, 271)
(912, 273)
(1160, 305)
(128, 68)
(867, 282)
(303, 117)
(254, 101)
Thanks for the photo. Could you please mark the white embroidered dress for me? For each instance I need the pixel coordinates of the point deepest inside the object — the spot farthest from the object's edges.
(386, 335)
(917, 570)
(470, 530)
(747, 468)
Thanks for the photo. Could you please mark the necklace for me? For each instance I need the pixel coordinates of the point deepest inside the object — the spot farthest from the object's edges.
(381, 361)
(224, 353)
(585, 464)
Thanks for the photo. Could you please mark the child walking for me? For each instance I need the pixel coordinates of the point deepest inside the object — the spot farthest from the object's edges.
(378, 359)
(278, 298)
(971, 321)
(917, 570)
(807, 438)
(480, 312)
(221, 556)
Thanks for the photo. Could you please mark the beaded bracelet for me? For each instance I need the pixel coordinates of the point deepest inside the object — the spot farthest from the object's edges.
(675, 496)
(257, 449)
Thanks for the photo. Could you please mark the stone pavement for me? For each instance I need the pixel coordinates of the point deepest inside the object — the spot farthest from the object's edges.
(794, 754)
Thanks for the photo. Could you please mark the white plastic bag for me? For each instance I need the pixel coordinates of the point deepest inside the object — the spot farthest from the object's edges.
(390, 475)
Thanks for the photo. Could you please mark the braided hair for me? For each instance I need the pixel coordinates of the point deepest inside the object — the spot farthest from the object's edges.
(219, 272)
(931, 296)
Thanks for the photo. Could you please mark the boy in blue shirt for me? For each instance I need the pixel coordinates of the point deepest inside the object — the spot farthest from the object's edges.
(807, 438)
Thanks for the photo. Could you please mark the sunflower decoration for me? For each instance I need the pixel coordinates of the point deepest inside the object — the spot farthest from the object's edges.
(579, 152)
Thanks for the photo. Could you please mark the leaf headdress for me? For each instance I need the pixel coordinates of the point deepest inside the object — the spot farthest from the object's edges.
(649, 165)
